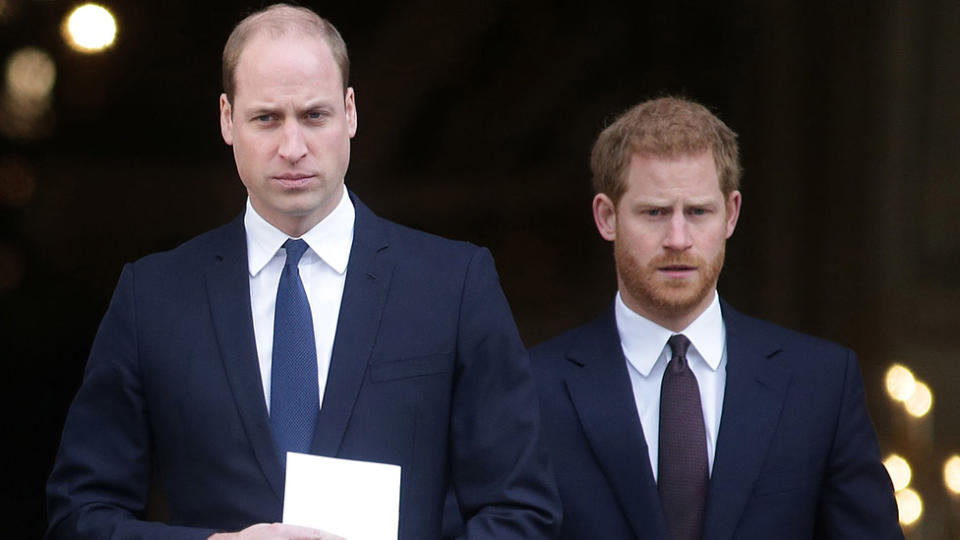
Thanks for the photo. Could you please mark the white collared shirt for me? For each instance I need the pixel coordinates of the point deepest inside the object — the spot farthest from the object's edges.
(645, 346)
(322, 270)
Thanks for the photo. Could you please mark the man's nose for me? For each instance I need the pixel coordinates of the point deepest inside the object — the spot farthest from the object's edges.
(293, 146)
(678, 235)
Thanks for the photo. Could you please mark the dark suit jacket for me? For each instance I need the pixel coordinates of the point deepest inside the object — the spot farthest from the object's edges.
(427, 372)
(796, 455)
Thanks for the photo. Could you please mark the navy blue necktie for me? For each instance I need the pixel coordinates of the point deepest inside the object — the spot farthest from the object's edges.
(683, 471)
(294, 390)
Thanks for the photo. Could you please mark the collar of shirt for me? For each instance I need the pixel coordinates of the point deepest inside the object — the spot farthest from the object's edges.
(331, 239)
(644, 340)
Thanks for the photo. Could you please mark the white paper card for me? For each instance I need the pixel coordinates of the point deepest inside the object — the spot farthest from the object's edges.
(358, 500)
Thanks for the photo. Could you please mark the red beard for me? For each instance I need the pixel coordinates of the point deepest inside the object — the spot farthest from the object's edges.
(663, 296)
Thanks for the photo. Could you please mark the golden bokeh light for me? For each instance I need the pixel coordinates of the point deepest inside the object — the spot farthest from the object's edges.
(90, 28)
(910, 506)
(900, 382)
(30, 74)
(899, 471)
(25, 102)
(951, 474)
(920, 401)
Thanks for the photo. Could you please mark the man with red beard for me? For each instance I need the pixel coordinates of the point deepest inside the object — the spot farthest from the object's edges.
(672, 416)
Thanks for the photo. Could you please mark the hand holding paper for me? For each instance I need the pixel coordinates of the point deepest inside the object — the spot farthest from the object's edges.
(357, 500)
(276, 531)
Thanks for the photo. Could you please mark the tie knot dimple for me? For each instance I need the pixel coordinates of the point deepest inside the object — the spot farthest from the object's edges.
(295, 250)
(679, 345)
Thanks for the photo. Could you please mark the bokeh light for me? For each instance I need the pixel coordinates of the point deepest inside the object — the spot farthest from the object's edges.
(951, 474)
(25, 110)
(920, 401)
(90, 28)
(900, 382)
(30, 74)
(910, 506)
(899, 471)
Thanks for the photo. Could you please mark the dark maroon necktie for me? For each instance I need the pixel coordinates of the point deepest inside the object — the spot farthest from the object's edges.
(683, 474)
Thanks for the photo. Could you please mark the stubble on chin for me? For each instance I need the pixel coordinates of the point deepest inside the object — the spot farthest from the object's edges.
(667, 298)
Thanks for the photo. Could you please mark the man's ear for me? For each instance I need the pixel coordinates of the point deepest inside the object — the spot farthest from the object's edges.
(605, 216)
(226, 120)
(733, 211)
(350, 107)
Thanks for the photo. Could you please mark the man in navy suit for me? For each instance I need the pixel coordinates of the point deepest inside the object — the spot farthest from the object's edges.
(673, 416)
(417, 359)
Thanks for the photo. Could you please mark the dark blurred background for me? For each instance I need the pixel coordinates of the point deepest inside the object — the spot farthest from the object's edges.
(476, 120)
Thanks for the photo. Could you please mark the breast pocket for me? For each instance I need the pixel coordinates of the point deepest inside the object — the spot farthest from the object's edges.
(408, 368)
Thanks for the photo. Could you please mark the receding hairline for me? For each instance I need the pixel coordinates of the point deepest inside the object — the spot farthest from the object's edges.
(278, 21)
(293, 34)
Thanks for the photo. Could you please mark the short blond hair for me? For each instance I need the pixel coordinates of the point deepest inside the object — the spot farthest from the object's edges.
(663, 127)
(278, 20)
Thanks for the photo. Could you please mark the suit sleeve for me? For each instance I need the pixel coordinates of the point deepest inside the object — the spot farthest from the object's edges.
(499, 470)
(857, 499)
(100, 480)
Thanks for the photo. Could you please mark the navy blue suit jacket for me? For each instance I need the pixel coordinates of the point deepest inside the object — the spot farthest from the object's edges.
(796, 455)
(428, 372)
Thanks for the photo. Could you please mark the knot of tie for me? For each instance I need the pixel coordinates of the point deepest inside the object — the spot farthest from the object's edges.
(295, 250)
(678, 346)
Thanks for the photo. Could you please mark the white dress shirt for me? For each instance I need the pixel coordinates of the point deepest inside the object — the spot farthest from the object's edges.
(645, 347)
(322, 270)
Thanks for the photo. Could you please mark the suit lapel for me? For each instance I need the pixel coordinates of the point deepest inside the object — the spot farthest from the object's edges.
(603, 398)
(364, 293)
(228, 286)
(755, 389)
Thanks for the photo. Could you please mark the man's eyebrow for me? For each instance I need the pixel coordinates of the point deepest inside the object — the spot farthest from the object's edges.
(701, 202)
(656, 201)
(260, 106)
(318, 104)
(664, 203)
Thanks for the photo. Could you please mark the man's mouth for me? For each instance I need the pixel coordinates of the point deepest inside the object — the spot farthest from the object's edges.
(677, 270)
(293, 179)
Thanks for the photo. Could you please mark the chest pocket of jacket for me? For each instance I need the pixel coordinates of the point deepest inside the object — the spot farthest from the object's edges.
(407, 368)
